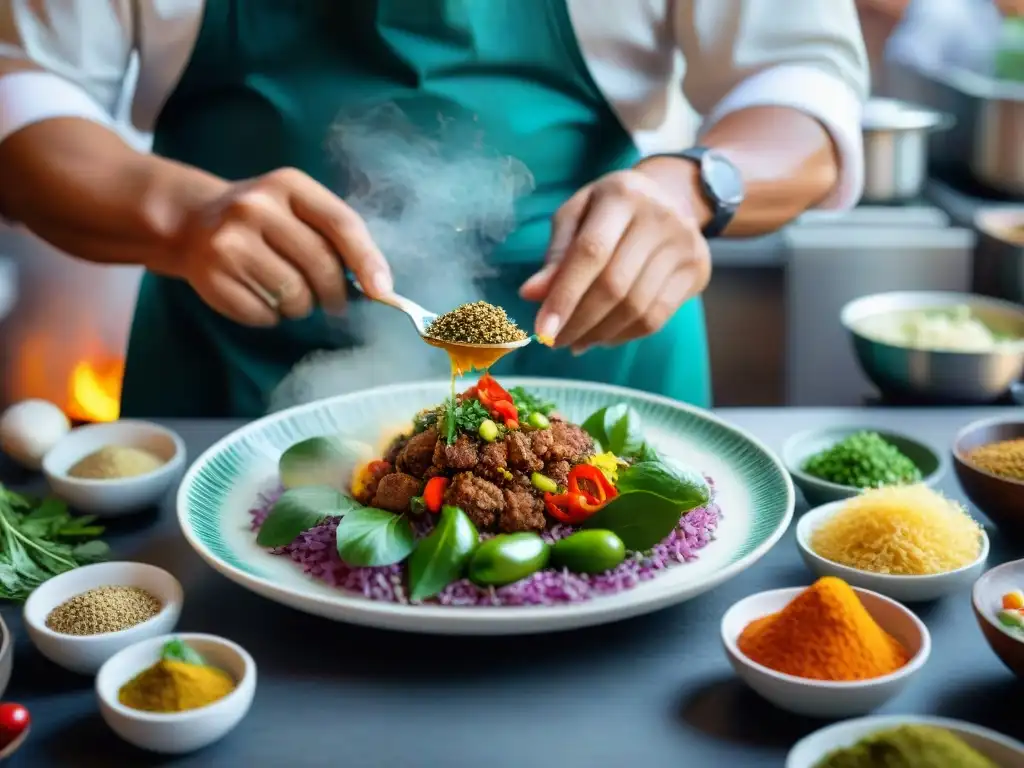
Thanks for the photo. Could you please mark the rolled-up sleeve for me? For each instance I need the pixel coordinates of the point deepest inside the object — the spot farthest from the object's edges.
(78, 52)
(803, 54)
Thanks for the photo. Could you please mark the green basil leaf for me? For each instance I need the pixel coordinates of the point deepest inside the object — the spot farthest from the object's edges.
(368, 536)
(298, 510)
(321, 461)
(682, 485)
(622, 428)
(594, 426)
(640, 518)
(178, 650)
(442, 556)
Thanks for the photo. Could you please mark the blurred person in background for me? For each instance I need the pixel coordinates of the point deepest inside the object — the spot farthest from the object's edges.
(244, 242)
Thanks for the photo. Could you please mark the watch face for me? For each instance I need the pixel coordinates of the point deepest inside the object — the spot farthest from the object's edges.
(723, 178)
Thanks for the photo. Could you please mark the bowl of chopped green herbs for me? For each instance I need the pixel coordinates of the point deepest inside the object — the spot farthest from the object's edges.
(837, 463)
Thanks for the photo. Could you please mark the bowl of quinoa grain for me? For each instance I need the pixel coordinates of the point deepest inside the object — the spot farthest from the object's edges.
(82, 617)
(988, 457)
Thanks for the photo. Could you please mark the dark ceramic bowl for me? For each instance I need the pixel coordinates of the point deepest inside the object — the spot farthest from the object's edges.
(987, 599)
(1000, 499)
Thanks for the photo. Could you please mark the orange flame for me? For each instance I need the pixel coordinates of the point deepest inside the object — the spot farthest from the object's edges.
(95, 391)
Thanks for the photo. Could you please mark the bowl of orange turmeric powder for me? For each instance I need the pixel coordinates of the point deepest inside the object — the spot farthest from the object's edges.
(828, 650)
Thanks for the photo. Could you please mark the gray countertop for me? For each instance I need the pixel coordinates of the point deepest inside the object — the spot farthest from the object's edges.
(654, 691)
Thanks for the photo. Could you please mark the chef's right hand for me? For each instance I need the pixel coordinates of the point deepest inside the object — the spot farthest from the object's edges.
(275, 246)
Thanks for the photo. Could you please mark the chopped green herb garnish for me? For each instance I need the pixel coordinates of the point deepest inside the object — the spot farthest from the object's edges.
(465, 416)
(528, 403)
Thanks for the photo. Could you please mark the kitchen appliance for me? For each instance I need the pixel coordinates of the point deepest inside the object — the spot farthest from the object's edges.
(830, 263)
(896, 148)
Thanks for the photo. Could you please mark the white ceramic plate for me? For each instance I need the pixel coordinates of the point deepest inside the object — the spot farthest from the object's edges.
(809, 751)
(753, 491)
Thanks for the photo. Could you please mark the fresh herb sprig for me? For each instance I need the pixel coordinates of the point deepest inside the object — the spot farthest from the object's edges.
(527, 403)
(463, 416)
(178, 650)
(39, 540)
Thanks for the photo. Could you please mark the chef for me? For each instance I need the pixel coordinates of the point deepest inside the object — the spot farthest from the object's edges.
(234, 214)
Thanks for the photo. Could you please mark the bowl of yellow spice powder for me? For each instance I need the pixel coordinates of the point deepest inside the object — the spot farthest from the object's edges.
(115, 468)
(82, 617)
(176, 693)
(988, 457)
(828, 650)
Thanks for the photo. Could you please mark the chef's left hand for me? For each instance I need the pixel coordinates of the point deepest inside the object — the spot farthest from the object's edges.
(626, 252)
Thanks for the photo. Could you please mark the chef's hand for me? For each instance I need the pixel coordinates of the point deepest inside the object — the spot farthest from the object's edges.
(275, 246)
(626, 251)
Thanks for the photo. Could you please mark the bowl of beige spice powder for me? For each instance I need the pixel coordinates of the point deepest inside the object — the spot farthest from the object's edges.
(82, 617)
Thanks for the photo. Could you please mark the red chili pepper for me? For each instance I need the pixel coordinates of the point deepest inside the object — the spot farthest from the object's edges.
(597, 489)
(487, 386)
(433, 494)
(569, 508)
(505, 410)
(511, 423)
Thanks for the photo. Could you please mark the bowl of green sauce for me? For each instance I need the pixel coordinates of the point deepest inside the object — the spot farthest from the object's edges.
(837, 463)
(905, 740)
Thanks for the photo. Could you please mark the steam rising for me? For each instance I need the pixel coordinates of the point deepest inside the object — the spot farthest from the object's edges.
(436, 204)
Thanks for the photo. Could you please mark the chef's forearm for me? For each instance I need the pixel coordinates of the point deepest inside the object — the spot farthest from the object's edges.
(787, 159)
(82, 188)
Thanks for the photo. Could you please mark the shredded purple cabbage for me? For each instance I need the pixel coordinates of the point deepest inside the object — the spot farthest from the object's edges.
(315, 551)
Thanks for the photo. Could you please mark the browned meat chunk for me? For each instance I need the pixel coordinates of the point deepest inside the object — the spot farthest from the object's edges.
(541, 441)
(375, 470)
(480, 499)
(523, 512)
(461, 455)
(558, 471)
(395, 448)
(520, 455)
(493, 459)
(418, 454)
(570, 443)
(395, 490)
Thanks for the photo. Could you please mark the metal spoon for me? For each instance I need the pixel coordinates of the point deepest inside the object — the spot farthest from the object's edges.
(421, 318)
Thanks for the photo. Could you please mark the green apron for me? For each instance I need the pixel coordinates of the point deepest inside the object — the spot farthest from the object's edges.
(264, 84)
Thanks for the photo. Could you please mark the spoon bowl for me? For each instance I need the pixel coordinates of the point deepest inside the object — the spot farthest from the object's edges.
(421, 319)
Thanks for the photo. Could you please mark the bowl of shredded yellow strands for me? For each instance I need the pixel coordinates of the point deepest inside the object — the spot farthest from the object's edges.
(910, 543)
(988, 457)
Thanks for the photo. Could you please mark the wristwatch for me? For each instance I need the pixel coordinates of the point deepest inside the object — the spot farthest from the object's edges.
(720, 183)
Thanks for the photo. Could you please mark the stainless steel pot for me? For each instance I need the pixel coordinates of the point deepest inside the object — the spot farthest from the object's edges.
(998, 268)
(896, 148)
(998, 156)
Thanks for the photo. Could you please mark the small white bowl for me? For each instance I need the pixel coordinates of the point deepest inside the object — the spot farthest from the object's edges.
(904, 588)
(176, 732)
(112, 498)
(87, 653)
(810, 750)
(820, 698)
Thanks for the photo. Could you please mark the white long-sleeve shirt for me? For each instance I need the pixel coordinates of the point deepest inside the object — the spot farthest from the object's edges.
(646, 56)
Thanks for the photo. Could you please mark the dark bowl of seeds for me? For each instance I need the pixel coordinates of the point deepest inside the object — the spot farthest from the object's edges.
(82, 617)
(988, 457)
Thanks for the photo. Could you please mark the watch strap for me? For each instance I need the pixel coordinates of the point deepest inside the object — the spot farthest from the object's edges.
(722, 211)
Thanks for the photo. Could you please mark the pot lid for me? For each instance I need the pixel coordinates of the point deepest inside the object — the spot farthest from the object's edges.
(896, 115)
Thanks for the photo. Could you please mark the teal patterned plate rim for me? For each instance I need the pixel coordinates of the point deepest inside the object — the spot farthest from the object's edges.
(753, 490)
